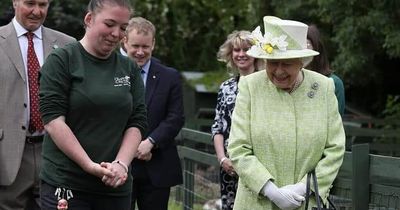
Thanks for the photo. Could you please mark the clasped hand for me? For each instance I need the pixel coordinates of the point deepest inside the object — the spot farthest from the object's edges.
(112, 175)
(144, 150)
(118, 174)
(287, 197)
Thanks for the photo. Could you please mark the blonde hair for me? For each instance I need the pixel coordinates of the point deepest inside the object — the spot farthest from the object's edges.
(237, 39)
(141, 25)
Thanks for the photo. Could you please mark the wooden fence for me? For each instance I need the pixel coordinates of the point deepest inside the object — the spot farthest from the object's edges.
(365, 181)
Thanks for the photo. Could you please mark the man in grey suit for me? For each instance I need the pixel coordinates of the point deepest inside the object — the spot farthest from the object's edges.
(20, 140)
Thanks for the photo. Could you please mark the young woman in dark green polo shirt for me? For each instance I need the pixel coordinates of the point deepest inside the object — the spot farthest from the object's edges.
(92, 105)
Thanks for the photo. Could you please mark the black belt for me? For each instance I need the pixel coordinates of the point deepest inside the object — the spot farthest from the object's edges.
(34, 139)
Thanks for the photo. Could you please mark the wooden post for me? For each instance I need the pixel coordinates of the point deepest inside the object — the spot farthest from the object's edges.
(360, 176)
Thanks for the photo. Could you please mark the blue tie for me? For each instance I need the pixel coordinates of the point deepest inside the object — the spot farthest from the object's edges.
(143, 74)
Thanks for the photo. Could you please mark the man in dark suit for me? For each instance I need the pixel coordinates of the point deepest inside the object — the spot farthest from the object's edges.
(23, 40)
(157, 166)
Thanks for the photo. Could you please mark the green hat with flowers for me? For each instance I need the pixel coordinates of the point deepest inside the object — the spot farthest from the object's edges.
(283, 39)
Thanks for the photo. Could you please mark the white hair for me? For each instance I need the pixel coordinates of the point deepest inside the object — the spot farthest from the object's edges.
(306, 60)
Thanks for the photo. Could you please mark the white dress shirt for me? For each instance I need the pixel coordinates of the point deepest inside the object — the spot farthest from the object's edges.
(23, 44)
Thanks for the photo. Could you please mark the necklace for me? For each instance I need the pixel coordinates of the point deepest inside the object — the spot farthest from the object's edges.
(297, 83)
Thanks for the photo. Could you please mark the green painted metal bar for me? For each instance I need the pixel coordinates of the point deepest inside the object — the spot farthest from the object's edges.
(197, 136)
(198, 156)
(368, 179)
(385, 170)
(372, 132)
(190, 156)
(188, 182)
(346, 170)
(360, 184)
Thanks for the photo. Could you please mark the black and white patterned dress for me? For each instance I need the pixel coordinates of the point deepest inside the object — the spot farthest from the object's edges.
(222, 125)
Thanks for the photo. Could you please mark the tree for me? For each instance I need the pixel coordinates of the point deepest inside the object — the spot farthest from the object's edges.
(362, 36)
(190, 32)
(67, 16)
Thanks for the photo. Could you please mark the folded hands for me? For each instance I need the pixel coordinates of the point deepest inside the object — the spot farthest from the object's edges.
(112, 174)
(287, 197)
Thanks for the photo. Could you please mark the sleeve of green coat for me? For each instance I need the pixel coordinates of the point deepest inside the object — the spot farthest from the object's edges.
(251, 171)
(328, 167)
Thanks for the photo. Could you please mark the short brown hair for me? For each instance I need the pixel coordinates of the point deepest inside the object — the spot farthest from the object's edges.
(141, 25)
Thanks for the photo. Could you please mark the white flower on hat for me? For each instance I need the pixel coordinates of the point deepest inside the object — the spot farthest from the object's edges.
(280, 42)
(266, 43)
(256, 36)
(256, 50)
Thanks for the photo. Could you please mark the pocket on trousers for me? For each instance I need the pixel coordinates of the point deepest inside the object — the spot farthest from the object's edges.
(48, 200)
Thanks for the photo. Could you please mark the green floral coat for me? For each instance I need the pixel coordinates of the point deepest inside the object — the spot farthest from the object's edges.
(281, 136)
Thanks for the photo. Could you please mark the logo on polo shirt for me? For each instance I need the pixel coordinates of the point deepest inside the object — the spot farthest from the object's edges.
(122, 81)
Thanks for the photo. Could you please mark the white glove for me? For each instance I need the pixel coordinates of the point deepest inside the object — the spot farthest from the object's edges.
(283, 198)
(299, 188)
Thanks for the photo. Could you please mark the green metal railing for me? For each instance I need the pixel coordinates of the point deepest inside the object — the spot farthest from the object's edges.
(365, 180)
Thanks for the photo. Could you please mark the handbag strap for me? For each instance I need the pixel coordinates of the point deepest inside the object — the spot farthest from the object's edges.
(308, 193)
(316, 189)
(308, 190)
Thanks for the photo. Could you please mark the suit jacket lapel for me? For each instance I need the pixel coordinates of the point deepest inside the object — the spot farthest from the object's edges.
(48, 42)
(152, 80)
(11, 46)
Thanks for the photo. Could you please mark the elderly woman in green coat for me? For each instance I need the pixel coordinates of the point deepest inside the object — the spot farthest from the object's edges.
(285, 123)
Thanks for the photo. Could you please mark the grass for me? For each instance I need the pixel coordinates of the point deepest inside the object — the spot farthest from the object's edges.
(172, 205)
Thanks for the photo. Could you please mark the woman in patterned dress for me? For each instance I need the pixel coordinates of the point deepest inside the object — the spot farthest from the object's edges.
(233, 53)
